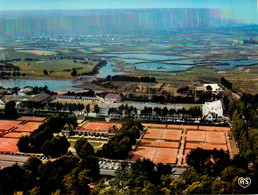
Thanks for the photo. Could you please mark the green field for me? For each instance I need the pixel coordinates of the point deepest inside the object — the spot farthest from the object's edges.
(94, 144)
(55, 68)
(244, 79)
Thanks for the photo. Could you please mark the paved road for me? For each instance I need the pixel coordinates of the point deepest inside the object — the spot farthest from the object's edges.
(10, 159)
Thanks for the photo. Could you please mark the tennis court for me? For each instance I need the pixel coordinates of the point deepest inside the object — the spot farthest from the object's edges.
(16, 135)
(30, 118)
(159, 143)
(155, 154)
(94, 126)
(28, 127)
(8, 145)
(8, 124)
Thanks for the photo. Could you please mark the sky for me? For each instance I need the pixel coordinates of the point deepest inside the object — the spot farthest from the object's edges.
(122, 4)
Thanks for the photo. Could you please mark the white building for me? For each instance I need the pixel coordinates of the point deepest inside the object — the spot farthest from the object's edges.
(212, 111)
(214, 87)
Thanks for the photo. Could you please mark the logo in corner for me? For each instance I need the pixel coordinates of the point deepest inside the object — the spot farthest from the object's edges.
(244, 182)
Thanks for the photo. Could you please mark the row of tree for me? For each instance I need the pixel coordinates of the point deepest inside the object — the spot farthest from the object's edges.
(14, 74)
(66, 175)
(168, 98)
(226, 83)
(245, 125)
(121, 143)
(194, 112)
(131, 78)
(209, 172)
(42, 140)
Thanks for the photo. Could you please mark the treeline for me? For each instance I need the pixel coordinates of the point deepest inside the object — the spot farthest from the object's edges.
(14, 74)
(158, 111)
(9, 67)
(226, 83)
(209, 172)
(121, 143)
(245, 125)
(42, 140)
(87, 93)
(131, 78)
(68, 106)
(66, 175)
(96, 68)
(168, 98)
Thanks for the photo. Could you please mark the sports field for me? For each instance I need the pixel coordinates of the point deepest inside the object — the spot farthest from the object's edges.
(159, 143)
(156, 154)
(8, 145)
(171, 143)
(28, 127)
(12, 130)
(15, 135)
(31, 119)
(102, 127)
(162, 133)
(8, 124)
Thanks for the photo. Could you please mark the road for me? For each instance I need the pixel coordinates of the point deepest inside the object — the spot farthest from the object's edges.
(10, 159)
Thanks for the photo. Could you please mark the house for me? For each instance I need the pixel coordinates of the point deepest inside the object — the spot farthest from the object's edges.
(212, 111)
(67, 129)
(113, 98)
(214, 87)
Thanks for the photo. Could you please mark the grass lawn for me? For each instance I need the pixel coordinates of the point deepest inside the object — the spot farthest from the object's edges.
(94, 144)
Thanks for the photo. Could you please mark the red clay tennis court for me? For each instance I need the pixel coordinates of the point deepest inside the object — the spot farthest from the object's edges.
(195, 136)
(214, 128)
(15, 135)
(155, 133)
(8, 145)
(163, 126)
(157, 155)
(93, 126)
(206, 146)
(8, 124)
(172, 134)
(216, 137)
(206, 136)
(28, 127)
(182, 127)
(32, 119)
(159, 143)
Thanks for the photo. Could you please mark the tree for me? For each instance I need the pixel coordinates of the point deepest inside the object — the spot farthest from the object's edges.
(208, 88)
(45, 72)
(220, 187)
(74, 72)
(55, 147)
(52, 173)
(164, 111)
(12, 179)
(83, 148)
(96, 108)
(10, 111)
(32, 165)
(88, 108)
(76, 182)
(23, 144)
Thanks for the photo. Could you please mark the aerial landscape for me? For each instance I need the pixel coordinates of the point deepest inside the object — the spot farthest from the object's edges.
(128, 97)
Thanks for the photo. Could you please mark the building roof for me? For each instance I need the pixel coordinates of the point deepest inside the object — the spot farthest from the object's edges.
(213, 107)
(113, 96)
(40, 97)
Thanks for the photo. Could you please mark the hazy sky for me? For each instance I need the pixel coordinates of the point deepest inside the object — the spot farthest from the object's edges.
(118, 4)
